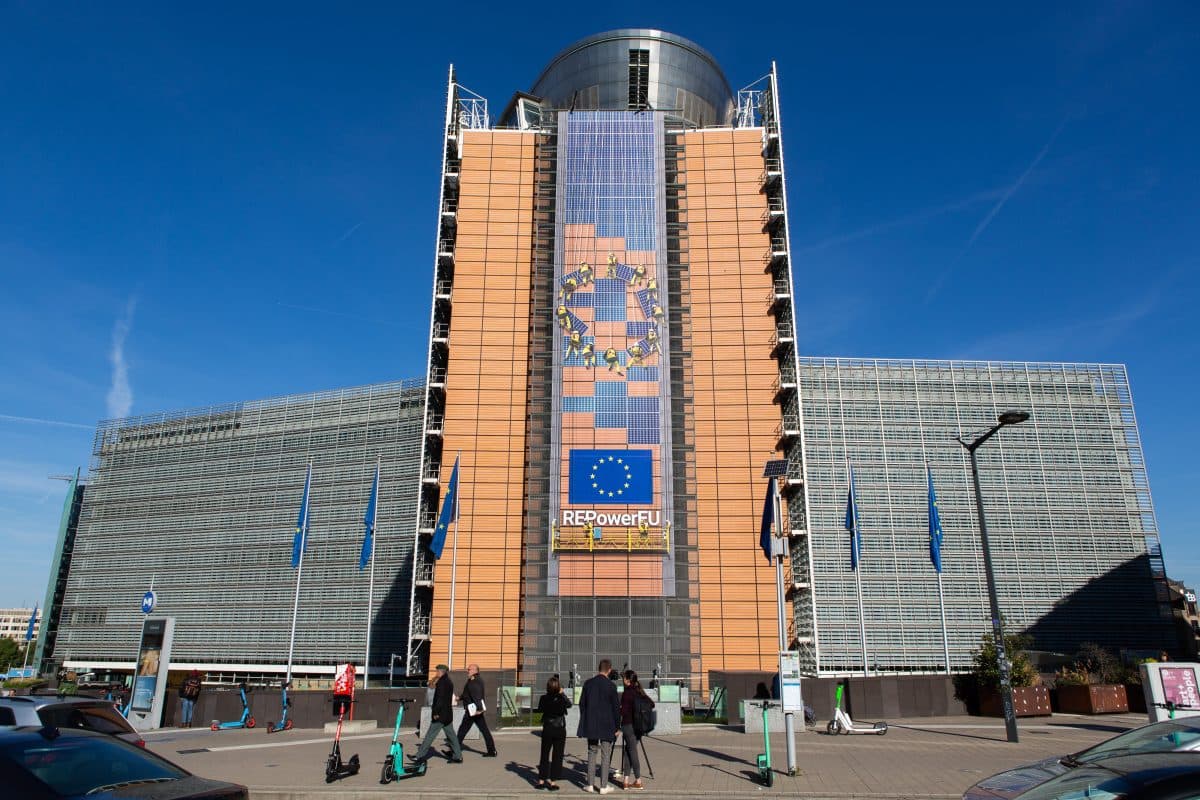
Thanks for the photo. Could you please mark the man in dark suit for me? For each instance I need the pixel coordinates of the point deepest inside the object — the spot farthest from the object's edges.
(599, 723)
(442, 718)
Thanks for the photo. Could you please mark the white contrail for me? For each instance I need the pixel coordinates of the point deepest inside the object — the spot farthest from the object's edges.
(987, 220)
(120, 394)
(39, 421)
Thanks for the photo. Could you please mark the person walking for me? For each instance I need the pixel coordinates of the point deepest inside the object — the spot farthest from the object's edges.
(473, 708)
(599, 723)
(189, 693)
(441, 719)
(630, 736)
(553, 707)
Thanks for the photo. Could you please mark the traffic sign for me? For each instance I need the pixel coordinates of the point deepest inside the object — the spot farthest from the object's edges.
(149, 601)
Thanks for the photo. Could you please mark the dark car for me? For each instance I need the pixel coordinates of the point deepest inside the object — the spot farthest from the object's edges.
(1147, 776)
(67, 712)
(1168, 736)
(65, 763)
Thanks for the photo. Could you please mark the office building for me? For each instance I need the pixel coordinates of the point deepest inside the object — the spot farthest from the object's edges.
(202, 506)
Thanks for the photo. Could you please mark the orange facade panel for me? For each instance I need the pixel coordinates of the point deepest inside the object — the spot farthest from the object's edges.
(485, 400)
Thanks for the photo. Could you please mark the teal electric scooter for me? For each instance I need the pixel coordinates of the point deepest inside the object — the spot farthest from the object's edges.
(766, 774)
(245, 721)
(394, 768)
(284, 724)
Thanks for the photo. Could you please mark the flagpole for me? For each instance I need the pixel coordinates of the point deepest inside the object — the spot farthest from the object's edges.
(857, 543)
(371, 584)
(453, 578)
(945, 637)
(299, 572)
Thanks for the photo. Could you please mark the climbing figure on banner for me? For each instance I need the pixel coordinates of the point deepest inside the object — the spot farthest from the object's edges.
(611, 272)
(574, 343)
(652, 339)
(638, 276)
(585, 273)
(589, 355)
(635, 355)
(656, 311)
(652, 286)
(564, 317)
(568, 288)
(614, 361)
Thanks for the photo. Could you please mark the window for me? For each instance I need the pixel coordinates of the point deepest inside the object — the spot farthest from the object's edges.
(639, 79)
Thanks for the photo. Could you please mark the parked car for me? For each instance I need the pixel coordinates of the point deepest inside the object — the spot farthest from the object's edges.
(1145, 776)
(1172, 735)
(49, 763)
(67, 712)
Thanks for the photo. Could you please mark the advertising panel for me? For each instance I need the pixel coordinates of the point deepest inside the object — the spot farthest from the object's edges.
(145, 679)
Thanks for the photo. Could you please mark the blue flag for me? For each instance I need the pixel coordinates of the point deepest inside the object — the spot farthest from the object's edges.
(448, 515)
(300, 540)
(32, 621)
(852, 522)
(935, 525)
(611, 477)
(369, 519)
(768, 519)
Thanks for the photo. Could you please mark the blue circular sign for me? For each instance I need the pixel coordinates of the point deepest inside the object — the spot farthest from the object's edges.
(149, 601)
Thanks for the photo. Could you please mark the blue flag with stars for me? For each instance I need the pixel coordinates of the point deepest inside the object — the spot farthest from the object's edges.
(32, 622)
(300, 540)
(611, 477)
(852, 522)
(768, 519)
(448, 515)
(935, 525)
(368, 544)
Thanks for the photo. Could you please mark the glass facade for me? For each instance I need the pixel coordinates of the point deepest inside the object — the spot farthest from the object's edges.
(202, 505)
(1074, 540)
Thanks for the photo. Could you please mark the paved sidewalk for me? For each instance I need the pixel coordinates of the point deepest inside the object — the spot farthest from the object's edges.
(921, 758)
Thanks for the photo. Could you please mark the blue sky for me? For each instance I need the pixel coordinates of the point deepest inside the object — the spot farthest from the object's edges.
(205, 203)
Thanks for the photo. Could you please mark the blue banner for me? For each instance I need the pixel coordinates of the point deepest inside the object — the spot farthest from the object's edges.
(32, 622)
(368, 544)
(448, 515)
(935, 525)
(768, 519)
(300, 540)
(852, 522)
(611, 477)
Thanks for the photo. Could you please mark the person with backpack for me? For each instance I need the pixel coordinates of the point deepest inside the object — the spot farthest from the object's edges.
(189, 693)
(637, 720)
(553, 707)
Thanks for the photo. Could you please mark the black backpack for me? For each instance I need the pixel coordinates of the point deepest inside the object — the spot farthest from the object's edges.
(643, 714)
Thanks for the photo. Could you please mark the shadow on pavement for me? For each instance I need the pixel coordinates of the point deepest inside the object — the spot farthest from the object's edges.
(947, 733)
(703, 751)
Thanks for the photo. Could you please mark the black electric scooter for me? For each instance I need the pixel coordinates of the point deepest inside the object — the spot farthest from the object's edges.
(335, 768)
(394, 768)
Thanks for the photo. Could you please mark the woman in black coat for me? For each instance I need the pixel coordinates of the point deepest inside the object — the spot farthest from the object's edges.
(553, 707)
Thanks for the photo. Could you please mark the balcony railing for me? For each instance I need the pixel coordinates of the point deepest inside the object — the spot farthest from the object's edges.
(611, 540)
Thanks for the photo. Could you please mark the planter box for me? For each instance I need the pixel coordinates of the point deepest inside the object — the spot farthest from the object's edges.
(1135, 697)
(1028, 701)
(1106, 699)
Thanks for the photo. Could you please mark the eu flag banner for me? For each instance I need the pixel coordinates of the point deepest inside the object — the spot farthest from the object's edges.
(448, 515)
(852, 522)
(935, 525)
(32, 621)
(611, 477)
(768, 519)
(300, 540)
(369, 520)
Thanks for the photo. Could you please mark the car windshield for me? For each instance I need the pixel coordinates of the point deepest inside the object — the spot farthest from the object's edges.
(75, 764)
(1160, 737)
(1082, 784)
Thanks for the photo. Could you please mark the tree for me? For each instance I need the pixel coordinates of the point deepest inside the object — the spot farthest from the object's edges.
(11, 654)
(987, 668)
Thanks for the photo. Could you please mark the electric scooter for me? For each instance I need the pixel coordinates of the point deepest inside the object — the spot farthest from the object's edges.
(765, 773)
(335, 768)
(841, 722)
(246, 720)
(394, 768)
(285, 724)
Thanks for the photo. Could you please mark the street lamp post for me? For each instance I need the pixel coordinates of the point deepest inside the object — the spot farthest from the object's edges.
(1010, 717)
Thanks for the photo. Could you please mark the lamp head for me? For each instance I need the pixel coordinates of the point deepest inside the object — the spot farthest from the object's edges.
(1013, 417)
